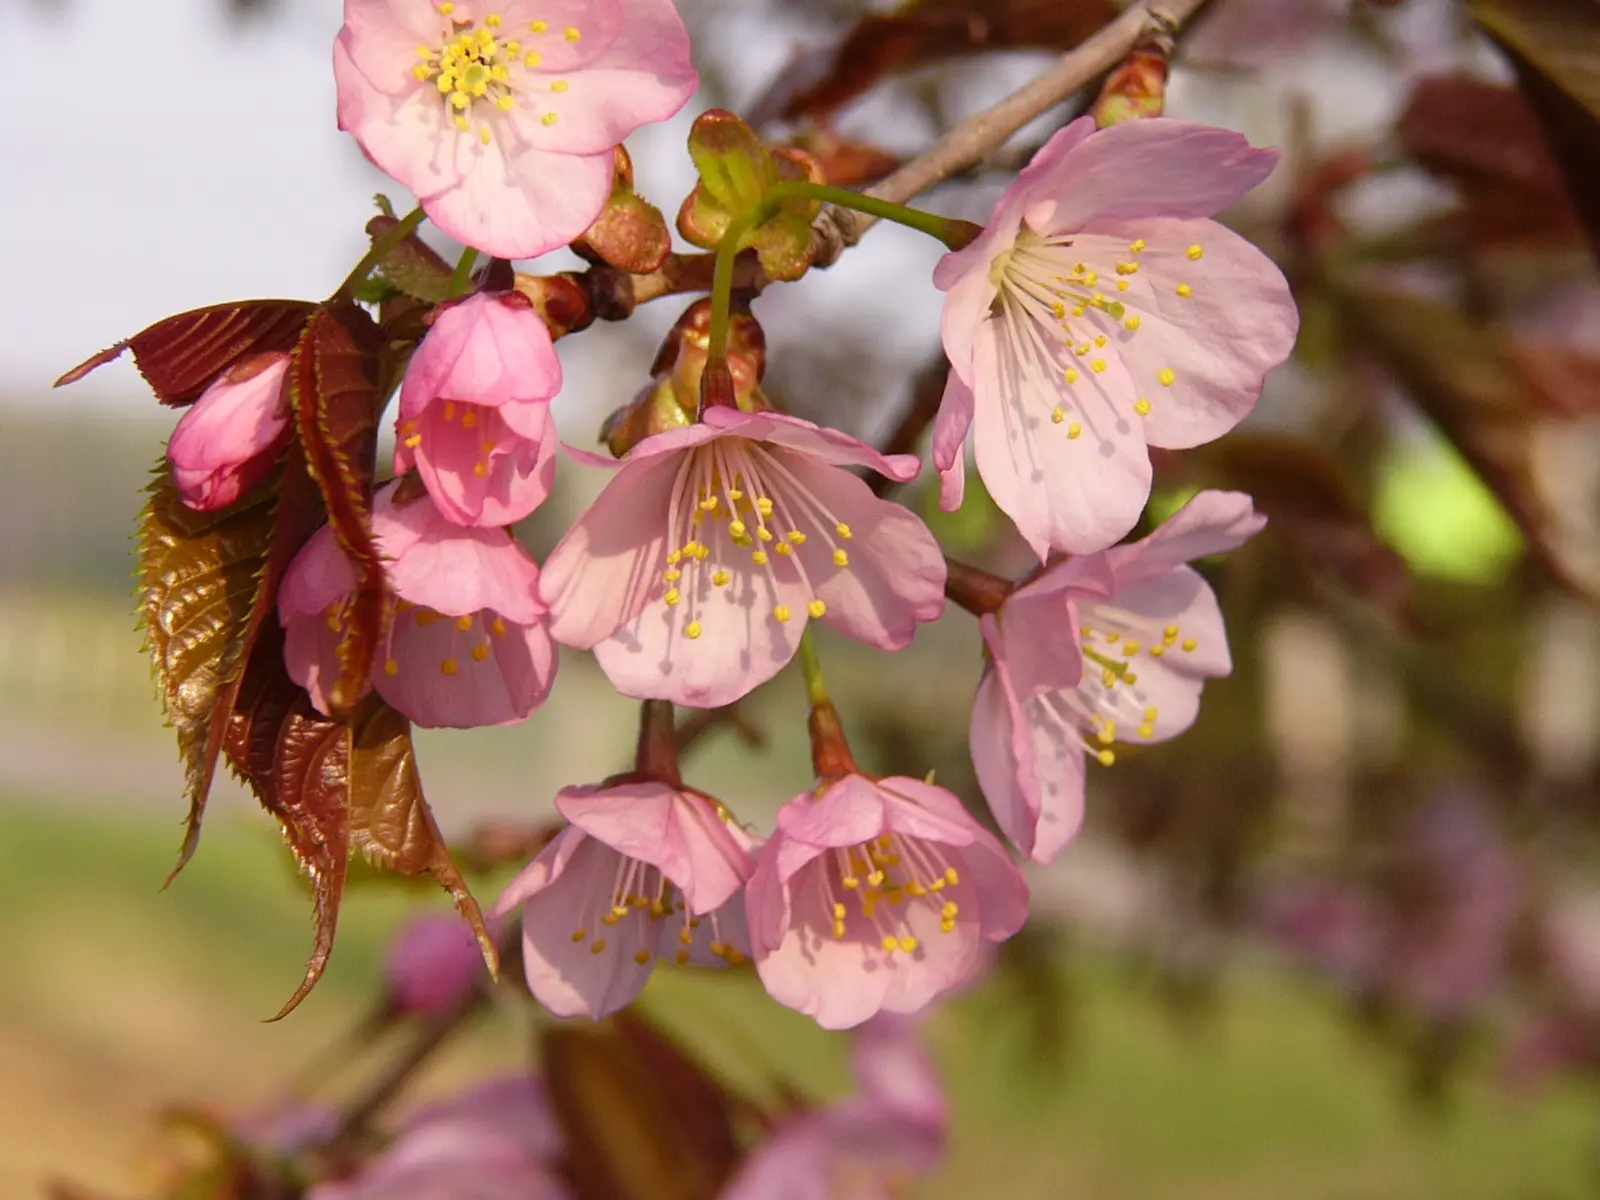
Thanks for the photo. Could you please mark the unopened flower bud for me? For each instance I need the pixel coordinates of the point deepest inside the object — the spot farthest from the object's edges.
(433, 966)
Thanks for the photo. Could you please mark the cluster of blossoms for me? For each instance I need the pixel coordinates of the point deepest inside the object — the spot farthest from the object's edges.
(1099, 313)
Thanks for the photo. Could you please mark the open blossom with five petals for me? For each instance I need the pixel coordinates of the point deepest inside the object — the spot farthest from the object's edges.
(1099, 313)
(466, 644)
(876, 896)
(227, 442)
(694, 573)
(475, 410)
(867, 1146)
(1108, 646)
(645, 870)
(502, 115)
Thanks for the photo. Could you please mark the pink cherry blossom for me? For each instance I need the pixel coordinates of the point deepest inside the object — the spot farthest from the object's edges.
(502, 115)
(433, 965)
(494, 1142)
(229, 439)
(868, 1146)
(1100, 313)
(1108, 646)
(876, 896)
(646, 870)
(694, 573)
(467, 643)
(475, 411)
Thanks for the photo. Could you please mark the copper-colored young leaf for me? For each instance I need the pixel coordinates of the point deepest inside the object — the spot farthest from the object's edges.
(334, 385)
(1555, 47)
(630, 233)
(1470, 380)
(390, 821)
(207, 581)
(181, 355)
(411, 267)
(621, 1140)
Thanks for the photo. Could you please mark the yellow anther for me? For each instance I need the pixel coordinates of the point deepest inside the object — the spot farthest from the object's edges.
(1185, 290)
(737, 528)
(950, 909)
(710, 503)
(1083, 350)
(414, 441)
(480, 469)
(838, 911)
(492, 20)
(735, 495)
(532, 58)
(671, 575)
(817, 609)
(447, 8)
(674, 557)
(1058, 414)
(692, 630)
(764, 506)
(1100, 339)
(1168, 377)
(1136, 246)
(672, 597)
(850, 881)
(760, 558)
(1170, 633)
(841, 558)
(391, 668)
(764, 534)
(1142, 407)
(498, 627)
(598, 946)
(1157, 651)
(1131, 324)
(1122, 285)
(449, 667)
(1127, 268)
(1113, 636)
(572, 33)
(449, 410)
(549, 118)
(539, 26)
(781, 613)
(611, 918)
(1130, 648)
(1089, 279)
(641, 957)
(1107, 757)
(422, 73)
(426, 617)
(795, 536)
(952, 877)
(1195, 251)
(1072, 375)
(464, 623)
(720, 579)
(1074, 431)
(1098, 365)
(784, 548)
(838, 929)
(875, 878)
(1108, 733)
(480, 652)
(1147, 730)
(1078, 312)
(681, 958)
(580, 934)
(1108, 677)
(843, 531)
(909, 944)
(890, 943)
(1189, 643)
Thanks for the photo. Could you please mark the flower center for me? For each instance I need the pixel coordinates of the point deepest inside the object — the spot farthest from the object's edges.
(1059, 320)
(888, 879)
(638, 891)
(738, 513)
(1109, 699)
(483, 72)
(491, 430)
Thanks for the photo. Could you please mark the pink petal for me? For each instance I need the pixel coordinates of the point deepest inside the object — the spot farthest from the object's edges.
(317, 579)
(564, 974)
(1006, 780)
(895, 1072)
(895, 572)
(439, 680)
(1213, 522)
(1236, 322)
(488, 349)
(1076, 495)
(1049, 750)
(381, 37)
(828, 445)
(847, 813)
(950, 428)
(517, 201)
(644, 75)
(677, 832)
(608, 566)
(597, 22)
(1179, 597)
(1137, 170)
(458, 570)
(405, 135)
(227, 441)
(794, 1162)
(489, 474)
(1035, 634)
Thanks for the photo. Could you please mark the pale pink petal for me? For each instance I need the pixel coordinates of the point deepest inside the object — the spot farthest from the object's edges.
(317, 580)
(1073, 494)
(895, 1072)
(1036, 634)
(228, 440)
(950, 428)
(794, 1162)
(894, 571)
(608, 566)
(461, 570)
(848, 813)
(518, 202)
(644, 75)
(1012, 796)
(1213, 522)
(1178, 598)
(516, 1107)
(487, 349)
(829, 445)
(405, 135)
(564, 973)
(1136, 170)
(485, 473)
(382, 36)
(597, 23)
(442, 676)
(677, 832)
(1217, 323)
(1048, 745)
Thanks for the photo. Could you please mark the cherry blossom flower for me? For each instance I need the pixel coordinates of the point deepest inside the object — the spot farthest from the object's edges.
(867, 1146)
(1105, 646)
(694, 573)
(467, 643)
(475, 411)
(1100, 313)
(876, 896)
(494, 1142)
(433, 965)
(502, 115)
(645, 870)
(229, 439)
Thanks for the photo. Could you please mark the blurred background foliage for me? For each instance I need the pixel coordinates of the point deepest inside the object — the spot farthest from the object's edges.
(1340, 940)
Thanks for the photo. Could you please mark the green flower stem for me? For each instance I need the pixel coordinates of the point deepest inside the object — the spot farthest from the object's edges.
(381, 247)
(952, 232)
(461, 278)
(811, 668)
(830, 751)
(722, 278)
